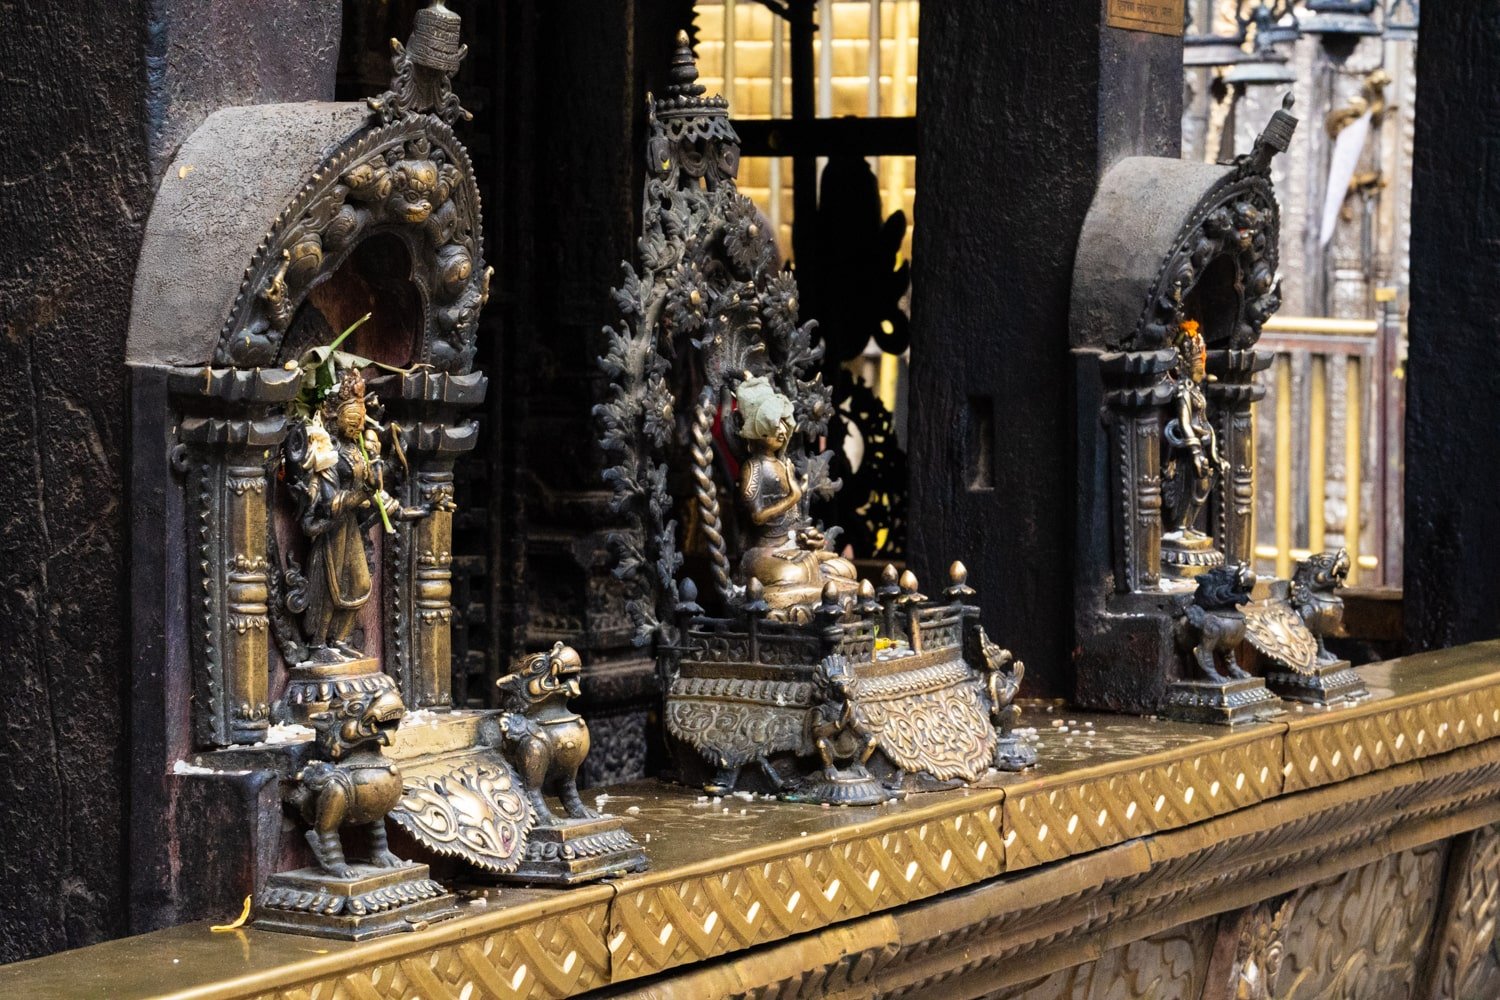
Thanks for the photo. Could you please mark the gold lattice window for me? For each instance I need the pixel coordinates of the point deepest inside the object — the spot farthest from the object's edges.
(865, 65)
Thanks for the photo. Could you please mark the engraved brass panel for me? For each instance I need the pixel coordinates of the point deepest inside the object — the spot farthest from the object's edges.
(664, 920)
(558, 954)
(1057, 816)
(1336, 746)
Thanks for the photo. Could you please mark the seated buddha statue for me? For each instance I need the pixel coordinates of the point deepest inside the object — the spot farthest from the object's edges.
(788, 554)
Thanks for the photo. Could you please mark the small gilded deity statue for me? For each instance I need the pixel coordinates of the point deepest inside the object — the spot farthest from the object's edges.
(340, 486)
(787, 554)
(1192, 464)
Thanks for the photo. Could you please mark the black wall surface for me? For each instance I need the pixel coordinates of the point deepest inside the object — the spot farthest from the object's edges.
(1018, 115)
(74, 192)
(1452, 580)
(94, 99)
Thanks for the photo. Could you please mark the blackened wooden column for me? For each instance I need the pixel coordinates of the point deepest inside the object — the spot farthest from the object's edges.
(1021, 108)
(1452, 578)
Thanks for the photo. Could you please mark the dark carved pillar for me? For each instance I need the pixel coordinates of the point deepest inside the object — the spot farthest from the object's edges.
(428, 406)
(1453, 394)
(1135, 396)
(1018, 116)
(1230, 398)
(231, 419)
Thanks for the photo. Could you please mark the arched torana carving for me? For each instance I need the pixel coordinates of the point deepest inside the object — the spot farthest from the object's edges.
(411, 178)
(261, 207)
(1219, 224)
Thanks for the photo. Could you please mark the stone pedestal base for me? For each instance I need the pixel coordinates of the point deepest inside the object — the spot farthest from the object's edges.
(371, 903)
(577, 851)
(1333, 683)
(310, 686)
(1014, 754)
(1229, 704)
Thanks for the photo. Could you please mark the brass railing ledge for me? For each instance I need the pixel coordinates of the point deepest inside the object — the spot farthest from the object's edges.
(1116, 800)
(1420, 705)
(1133, 778)
(514, 943)
(732, 873)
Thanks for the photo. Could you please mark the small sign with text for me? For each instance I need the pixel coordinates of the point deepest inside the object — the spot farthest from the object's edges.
(1164, 17)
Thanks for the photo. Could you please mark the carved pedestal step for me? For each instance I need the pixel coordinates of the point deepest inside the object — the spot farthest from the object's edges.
(575, 851)
(1228, 704)
(1013, 753)
(311, 686)
(1189, 555)
(1323, 684)
(854, 787)
(370, 903)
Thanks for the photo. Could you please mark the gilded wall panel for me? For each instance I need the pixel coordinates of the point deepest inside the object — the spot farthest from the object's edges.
(1465, 957)
(1363, 934)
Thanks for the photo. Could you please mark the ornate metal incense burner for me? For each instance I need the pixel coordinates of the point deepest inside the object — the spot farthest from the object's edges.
(797, 668)
(1166, 477)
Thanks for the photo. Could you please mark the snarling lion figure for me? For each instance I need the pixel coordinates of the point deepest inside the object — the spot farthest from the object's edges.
(547, 740)
(1313, 586)
(354, 784)
(1216, 619)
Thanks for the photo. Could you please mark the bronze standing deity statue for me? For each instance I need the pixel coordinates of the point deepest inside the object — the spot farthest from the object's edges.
(342, 483)
(1192, 464)
(787, 553)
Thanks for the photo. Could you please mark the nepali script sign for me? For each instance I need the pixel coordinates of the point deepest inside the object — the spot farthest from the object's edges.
(1164, 17)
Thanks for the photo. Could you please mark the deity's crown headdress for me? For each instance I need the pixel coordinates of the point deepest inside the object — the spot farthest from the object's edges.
(350, 390)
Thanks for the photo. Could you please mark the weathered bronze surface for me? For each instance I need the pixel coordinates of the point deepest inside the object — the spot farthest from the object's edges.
(351, 784)
(1167, 475)
(1316, 676)
(1216, 628)
(1173, 823)
(1192, 465)
(548, 742)
(334, 459)
(797, 679)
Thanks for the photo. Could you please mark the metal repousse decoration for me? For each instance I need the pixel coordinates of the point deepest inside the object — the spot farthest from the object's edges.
(324, 522)
(710, 382)
(1307, 671)
(351, 784)
(1192, 464)
(488, 805)
(1215, 628)
(1002, 681)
